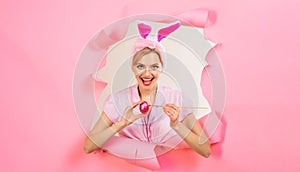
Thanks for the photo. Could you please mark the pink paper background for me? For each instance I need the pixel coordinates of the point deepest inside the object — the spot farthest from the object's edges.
(41, 40)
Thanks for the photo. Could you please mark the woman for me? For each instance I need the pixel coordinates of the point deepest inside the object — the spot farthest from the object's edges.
(162, 127)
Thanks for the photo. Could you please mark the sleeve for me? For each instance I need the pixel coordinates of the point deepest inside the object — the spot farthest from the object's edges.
(109, 107)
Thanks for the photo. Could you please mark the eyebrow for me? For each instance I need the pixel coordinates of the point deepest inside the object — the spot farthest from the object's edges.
(150, 65)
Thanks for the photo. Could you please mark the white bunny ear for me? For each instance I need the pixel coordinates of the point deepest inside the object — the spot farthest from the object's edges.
(164, 32)
(144, 30)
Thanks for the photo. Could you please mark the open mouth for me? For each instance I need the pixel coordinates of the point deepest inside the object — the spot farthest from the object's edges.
(147, 81)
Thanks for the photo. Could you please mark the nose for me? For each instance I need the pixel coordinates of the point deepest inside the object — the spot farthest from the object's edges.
(147, 72)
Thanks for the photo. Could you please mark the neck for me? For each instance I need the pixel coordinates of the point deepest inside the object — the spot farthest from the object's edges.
(146, 93)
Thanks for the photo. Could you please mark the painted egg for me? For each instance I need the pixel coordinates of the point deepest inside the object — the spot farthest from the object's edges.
(144, 107)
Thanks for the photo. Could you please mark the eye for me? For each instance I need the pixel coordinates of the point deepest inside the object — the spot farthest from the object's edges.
(155, 67)
(140, 67)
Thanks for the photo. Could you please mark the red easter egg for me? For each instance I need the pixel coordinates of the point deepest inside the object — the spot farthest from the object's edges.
(144, 107)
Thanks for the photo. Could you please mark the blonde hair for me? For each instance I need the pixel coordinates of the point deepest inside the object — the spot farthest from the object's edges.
(144, 52)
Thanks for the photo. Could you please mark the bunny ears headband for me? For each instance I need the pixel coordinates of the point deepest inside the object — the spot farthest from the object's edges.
(145, 30)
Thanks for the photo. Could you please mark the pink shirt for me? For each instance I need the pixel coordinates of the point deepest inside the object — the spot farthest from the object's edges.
(155, 127)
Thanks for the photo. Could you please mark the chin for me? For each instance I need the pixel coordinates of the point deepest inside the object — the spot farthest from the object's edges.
(149, 87)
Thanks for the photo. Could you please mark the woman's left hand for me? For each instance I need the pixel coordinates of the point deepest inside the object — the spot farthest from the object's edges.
(173, 112)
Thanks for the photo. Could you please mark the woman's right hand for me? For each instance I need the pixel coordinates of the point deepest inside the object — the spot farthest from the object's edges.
(128, 116)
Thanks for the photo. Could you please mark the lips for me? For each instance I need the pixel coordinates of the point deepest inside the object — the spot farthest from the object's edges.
(147, 81)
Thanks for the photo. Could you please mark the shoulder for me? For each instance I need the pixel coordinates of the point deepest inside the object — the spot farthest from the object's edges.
(115, 103)
(121, 93)
(175, 96)
(169, 91)
(170, 95)
(122, 98)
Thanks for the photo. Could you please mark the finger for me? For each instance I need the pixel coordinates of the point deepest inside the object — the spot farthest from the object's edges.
(167, 105)
(176, 108)
(173, 106)
(133, 105)
(166, 109)
(168, 114)
(172, 110)
(171, 116)
(171, 113)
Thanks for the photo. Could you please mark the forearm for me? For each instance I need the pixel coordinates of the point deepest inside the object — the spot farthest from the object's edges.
(95, 140)
(104, 129)
(199, 143)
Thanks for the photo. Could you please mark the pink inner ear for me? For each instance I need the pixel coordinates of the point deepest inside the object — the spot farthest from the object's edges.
(144, 30)
(164, 32)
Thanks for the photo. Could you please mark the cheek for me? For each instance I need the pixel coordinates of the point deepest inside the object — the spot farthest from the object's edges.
(137, 77)
(156, 75)
(136, 73)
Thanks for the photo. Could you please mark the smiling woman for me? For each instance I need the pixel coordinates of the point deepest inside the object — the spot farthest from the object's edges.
(144, 135)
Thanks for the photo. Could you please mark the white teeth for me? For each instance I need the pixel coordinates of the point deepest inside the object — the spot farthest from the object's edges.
(147, 81)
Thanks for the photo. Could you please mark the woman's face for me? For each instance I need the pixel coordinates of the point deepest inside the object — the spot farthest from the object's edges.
(147, 70)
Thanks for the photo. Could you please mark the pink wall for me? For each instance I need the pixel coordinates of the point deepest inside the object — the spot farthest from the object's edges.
(41, 41)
